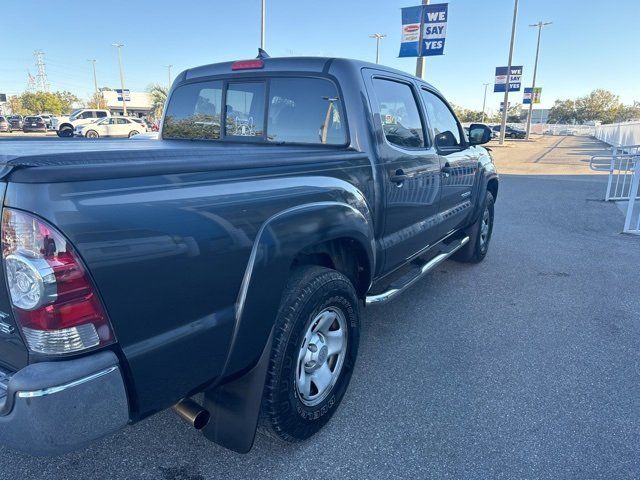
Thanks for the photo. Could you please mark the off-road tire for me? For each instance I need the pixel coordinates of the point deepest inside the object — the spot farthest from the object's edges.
(476, 249)
(309, 290)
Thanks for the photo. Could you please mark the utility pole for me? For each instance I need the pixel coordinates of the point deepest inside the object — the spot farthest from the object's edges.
(169, 73)
(262, 25)
(503, 124)
(378, 37)
(95, 78)
(124, 103)
(540, 24)
(484, 101)
(41, 76)
(420, 61)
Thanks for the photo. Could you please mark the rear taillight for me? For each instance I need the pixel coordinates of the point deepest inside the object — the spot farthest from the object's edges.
(53, 298)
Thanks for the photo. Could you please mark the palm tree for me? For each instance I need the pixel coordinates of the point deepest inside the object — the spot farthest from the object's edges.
(158, 99)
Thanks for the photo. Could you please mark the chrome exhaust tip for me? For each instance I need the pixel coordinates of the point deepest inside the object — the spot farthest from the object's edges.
(192, 413)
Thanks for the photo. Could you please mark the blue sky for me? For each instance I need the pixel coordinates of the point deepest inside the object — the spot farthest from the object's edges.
(588, 46)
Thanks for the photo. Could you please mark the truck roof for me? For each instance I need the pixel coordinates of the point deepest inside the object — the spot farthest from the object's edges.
(290, 64)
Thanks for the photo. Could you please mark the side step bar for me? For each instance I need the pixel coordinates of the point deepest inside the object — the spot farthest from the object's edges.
(426, 268)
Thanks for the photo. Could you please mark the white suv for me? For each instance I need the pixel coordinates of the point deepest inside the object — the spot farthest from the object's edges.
(65, 126)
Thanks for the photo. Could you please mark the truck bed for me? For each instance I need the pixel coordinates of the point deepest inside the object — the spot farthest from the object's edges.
(38, 161)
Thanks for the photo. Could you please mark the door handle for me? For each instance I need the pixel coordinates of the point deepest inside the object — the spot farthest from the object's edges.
(446, 170)
(399, 177)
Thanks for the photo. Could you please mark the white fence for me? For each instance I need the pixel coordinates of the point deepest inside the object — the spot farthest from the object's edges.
(623, 165)
(619, 133)
(632, 220)
(557, 128)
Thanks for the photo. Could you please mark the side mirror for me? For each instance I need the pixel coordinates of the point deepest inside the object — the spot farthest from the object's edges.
(479, 134)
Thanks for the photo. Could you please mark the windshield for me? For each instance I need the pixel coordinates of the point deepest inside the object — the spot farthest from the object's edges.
(73, 114)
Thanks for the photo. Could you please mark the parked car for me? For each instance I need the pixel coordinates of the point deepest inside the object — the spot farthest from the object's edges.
(5, 125)
(48, 120)
(111, 127)
(568, 131)
(34, 123)
(16, 122)
(510, 132)
(233, 256)
(65, 126)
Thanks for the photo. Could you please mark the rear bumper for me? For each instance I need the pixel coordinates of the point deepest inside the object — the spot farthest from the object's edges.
(55, 407)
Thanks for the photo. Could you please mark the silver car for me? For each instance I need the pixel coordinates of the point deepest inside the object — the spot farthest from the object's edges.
(5, 126)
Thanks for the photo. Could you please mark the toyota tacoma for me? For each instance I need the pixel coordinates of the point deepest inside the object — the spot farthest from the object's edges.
(222, 269)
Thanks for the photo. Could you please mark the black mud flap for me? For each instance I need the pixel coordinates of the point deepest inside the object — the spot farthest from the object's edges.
(235, 407)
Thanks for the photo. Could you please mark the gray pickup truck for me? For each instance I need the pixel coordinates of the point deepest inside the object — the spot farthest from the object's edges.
(221, 270)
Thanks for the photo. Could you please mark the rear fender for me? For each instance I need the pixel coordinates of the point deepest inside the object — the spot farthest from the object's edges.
(277, 244)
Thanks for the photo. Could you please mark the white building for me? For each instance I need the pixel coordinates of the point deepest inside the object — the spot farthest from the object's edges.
(138, 103)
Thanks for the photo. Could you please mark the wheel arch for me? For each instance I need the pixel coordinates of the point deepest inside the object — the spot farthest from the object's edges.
(492, 186)
(331, 234)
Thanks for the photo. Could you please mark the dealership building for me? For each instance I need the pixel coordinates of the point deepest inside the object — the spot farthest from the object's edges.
(138, 103)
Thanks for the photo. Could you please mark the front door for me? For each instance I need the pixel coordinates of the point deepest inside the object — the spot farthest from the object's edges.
(458, 161)
(409, 168)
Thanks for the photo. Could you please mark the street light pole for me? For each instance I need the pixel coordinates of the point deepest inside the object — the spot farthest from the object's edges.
(95, 78)
(124, 103)
(484, 101)
(378, 37)
(540, 24)
(503, 124)
(263, 25)
(169, 73)
(420, 61)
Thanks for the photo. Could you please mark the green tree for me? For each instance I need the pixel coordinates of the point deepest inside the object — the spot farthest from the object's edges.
(42, 102)
(97, 101)
(15, 105)
(158, 99)
(563, 111)
(516, 114)
(599, 105)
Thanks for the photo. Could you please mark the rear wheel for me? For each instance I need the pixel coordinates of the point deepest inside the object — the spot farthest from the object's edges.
(132, 133)
(314, 350)
(479, 235)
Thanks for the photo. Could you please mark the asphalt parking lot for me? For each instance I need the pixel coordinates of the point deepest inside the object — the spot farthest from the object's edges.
(525, 366)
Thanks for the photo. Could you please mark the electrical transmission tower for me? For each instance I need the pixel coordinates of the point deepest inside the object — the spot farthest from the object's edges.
(41, 76)
(31, 82)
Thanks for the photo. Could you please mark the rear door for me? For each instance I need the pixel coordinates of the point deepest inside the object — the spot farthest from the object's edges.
(458, 161)
(409, 167)
(123, 127)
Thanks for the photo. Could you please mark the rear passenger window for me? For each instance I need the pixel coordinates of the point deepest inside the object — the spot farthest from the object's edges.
(194, 112)
(101, 114)
(245, 109)
(445, 126)
(399, 113)
(305, 110)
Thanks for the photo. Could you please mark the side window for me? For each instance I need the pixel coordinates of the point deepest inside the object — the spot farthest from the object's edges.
(194, 112)
(444, 124)
(305, 110)
(245, 109)
(122, 121)
(101, 114)
(399, 113)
